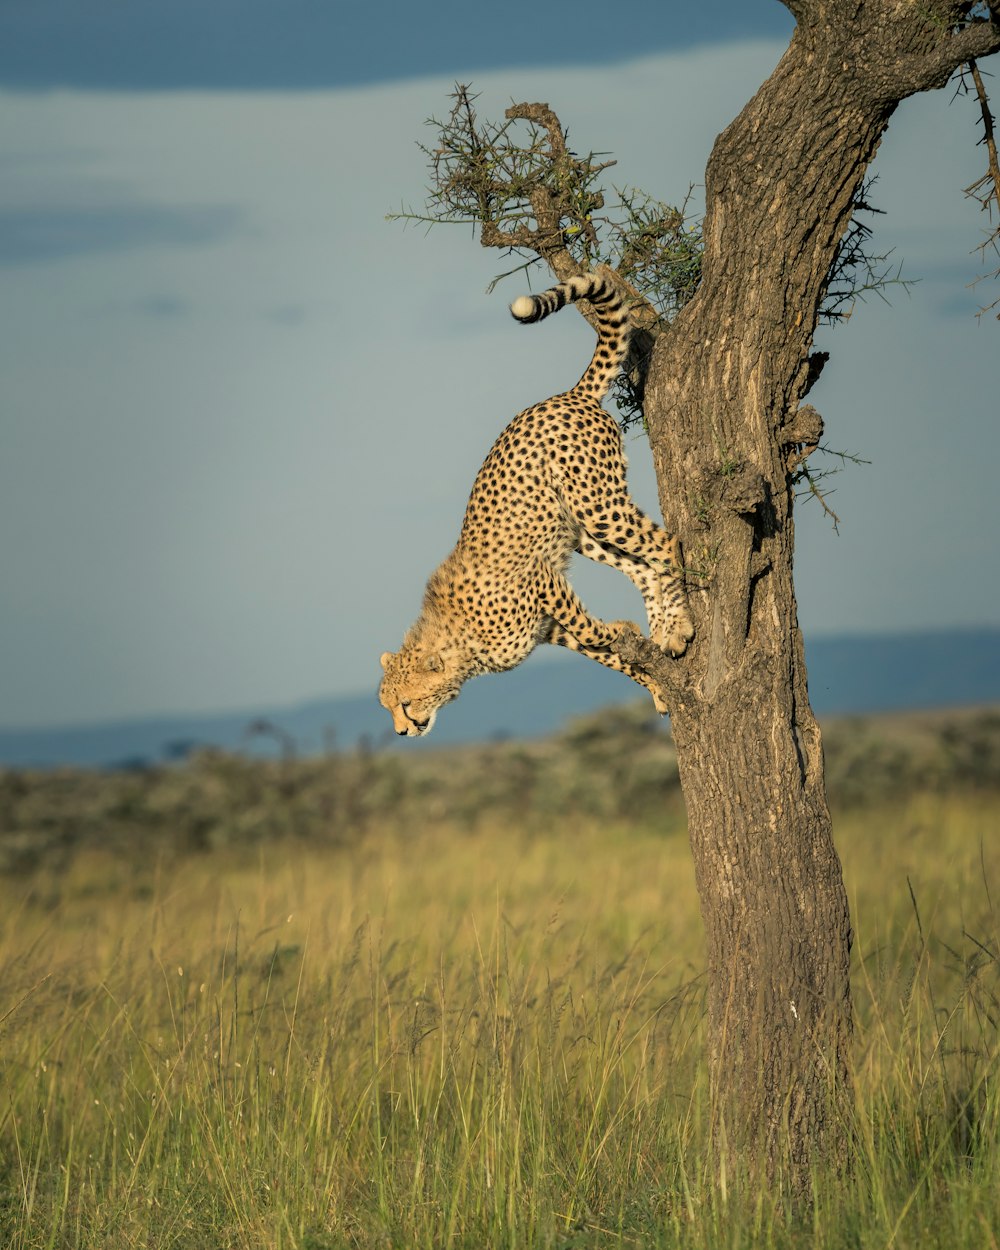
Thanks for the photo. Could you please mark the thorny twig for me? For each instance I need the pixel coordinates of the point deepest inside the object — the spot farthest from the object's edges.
(856, 270)
(534, 197)
(813, 478)
(986, 190)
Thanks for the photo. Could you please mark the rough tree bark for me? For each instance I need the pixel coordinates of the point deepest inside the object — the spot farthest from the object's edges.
(726, 424)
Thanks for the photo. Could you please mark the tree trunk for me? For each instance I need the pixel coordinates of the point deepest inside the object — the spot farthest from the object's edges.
(722, 404)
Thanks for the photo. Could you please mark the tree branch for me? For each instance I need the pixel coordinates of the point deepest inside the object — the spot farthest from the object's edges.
(531, 195)
(547, 239)
(933, 69)
(799, 9)
(640, 652)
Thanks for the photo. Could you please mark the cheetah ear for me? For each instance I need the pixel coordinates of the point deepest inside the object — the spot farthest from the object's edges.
(434, 664)
(384, 658)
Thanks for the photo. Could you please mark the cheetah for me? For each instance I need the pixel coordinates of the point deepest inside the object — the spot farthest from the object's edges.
(553, 484)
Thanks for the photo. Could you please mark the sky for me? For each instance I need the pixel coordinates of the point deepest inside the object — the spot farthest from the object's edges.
(241, 412)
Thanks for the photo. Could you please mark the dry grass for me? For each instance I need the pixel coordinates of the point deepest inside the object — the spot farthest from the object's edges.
(436, 1037)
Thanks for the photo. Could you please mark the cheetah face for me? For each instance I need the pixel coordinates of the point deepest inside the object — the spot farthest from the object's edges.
(414, 685)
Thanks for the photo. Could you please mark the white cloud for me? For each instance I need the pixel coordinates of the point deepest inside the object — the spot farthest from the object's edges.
(232, 460)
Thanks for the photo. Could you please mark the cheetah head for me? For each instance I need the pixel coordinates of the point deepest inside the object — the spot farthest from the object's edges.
(415, 683)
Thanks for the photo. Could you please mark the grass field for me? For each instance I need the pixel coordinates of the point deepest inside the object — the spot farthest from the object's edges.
(443, 1037)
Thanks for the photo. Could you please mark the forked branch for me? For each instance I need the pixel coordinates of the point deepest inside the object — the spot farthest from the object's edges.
(565, 195)
(531, 195)
(932, 69)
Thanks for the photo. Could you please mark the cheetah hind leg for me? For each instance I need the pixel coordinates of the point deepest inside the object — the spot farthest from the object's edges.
(663, 594)
(570, 625)
(559, 636)
(560, 602)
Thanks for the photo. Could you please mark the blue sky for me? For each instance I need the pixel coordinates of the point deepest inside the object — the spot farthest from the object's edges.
(252, 45)
(242, 412)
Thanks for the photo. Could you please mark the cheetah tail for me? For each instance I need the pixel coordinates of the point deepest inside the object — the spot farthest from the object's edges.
(615, 324)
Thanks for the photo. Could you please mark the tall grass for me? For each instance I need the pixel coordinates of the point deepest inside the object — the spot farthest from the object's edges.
(439, 1038)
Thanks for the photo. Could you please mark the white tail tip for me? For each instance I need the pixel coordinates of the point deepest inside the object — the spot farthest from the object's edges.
(522, 307)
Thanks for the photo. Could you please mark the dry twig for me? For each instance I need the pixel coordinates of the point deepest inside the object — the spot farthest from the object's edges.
(986, 190)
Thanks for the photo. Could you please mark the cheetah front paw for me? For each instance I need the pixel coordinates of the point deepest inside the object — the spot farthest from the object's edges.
(675, 635)
(618, 628)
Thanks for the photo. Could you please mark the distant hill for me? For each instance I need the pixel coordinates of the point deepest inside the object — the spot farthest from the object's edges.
(859, 674)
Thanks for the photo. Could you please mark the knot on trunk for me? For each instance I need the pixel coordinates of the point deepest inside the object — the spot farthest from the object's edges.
(744, 490)
(801, 435)
(730, 487)
(809, 373)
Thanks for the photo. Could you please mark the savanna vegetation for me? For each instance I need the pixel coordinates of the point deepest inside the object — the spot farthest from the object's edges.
(458, 999)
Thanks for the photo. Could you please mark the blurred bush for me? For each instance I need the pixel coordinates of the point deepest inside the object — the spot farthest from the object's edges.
(617, 765)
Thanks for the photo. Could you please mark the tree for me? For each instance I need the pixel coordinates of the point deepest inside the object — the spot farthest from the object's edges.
(720, 378)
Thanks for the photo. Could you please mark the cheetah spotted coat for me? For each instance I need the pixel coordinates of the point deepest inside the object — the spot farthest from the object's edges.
(553, 484)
